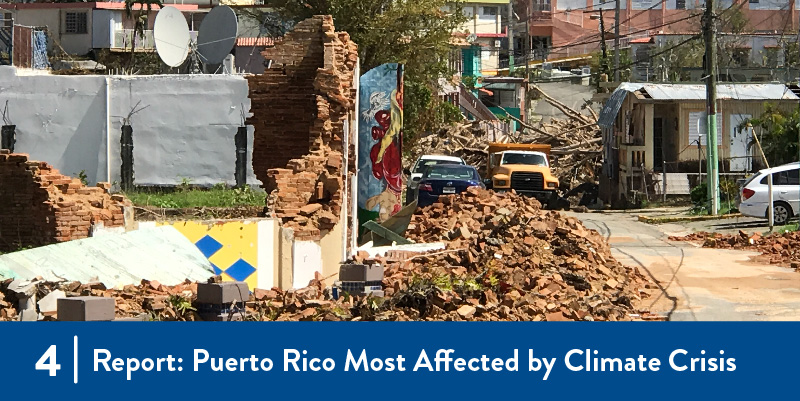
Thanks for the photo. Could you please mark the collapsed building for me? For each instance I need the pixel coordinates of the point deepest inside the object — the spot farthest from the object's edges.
(301, 106)
(503, 258)
(41, 206)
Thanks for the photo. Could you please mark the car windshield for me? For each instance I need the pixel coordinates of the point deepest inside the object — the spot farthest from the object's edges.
(451, 173)
(524, 158)
(423, 164)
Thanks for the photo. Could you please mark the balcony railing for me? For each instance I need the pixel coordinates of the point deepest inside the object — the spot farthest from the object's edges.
(124, 37)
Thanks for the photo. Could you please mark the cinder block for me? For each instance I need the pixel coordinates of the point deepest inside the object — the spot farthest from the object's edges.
(84, 309)
(222, 293)
(358, 272)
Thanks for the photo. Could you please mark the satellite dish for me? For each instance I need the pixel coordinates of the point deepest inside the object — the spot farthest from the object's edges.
(171, 34)
(472, 38)
(217, 35)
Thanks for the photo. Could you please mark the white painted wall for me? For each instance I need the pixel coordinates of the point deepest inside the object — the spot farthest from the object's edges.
(74, 123)
(307, 259)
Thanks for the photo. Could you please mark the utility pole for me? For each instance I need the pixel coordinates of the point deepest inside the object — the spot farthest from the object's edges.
(604, 65)
(510, 37)
(616, 40)
(709, 28)
(528, 46)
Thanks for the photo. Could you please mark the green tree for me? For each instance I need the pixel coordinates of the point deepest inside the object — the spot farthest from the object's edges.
(138, 10)
(777, 131)
(416, 33)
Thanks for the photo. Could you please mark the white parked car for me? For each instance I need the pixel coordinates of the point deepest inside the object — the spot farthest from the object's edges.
(425, 161)
(754, 196)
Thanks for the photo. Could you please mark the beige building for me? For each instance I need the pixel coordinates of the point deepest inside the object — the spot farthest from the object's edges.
(486, 30)
(659, 130)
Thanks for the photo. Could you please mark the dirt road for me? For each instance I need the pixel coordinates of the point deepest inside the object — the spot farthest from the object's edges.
(698, 283)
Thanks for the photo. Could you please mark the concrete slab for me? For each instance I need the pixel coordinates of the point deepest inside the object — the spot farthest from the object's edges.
(159, 253)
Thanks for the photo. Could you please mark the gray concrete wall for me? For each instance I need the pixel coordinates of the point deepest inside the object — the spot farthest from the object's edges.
(186, 130)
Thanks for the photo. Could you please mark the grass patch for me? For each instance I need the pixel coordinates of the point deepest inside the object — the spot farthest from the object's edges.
(787, 228)
(725, 207)
(219, 195)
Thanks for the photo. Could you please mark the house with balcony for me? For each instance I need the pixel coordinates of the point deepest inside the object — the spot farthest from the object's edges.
(81, 28)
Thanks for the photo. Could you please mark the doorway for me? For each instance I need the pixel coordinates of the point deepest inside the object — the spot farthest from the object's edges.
(658, 144)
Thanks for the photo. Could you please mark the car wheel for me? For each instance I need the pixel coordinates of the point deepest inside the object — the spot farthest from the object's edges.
(782, 213)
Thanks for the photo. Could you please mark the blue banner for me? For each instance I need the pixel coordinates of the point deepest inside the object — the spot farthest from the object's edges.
(400, 360)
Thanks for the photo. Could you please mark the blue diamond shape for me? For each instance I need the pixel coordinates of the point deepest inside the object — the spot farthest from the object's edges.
(208, 246)
(240, 270)
(217, 270)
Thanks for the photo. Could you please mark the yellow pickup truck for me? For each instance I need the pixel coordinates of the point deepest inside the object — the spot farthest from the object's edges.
(525, 168)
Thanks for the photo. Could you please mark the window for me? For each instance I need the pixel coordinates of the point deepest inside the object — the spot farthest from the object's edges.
(8, 20)
(740, 57)
(531, 159)
(788, 177)
(754, 1)
(451, 172)
(680, 4)
(75, 22)
(488, 10)
(422, 165)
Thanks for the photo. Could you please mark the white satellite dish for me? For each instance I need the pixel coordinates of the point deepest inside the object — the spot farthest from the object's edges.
(217, 35)
(171, 34)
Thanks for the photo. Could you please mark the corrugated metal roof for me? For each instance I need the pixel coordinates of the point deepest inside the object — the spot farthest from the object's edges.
(724, 91)
(609, 112)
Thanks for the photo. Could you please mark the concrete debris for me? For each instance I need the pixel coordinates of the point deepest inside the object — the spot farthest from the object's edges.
(778, 249)
(48, 306)
(157, 253)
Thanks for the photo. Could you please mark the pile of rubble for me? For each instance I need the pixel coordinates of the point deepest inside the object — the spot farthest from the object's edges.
(506, 259)
(149, 300)
(779, 249)
(575, 141)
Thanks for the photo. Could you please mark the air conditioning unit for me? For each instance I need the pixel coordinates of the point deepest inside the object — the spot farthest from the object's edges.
(586, 71)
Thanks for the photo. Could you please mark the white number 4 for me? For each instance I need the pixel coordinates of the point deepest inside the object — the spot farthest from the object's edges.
(48, 361)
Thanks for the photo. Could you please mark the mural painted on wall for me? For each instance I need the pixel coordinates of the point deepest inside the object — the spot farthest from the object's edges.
(231, 247)
(380, 140)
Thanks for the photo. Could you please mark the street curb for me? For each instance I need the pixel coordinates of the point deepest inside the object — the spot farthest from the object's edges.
(660, 220)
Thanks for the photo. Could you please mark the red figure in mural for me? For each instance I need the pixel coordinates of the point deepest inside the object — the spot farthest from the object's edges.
(385, 155)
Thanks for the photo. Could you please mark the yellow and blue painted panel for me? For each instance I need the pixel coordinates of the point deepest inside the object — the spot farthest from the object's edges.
(230, 246)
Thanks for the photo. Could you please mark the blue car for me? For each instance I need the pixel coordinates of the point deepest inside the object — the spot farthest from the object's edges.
(446, 179)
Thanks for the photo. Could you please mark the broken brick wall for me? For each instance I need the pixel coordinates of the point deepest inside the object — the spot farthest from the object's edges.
(299, 108)
(40, 206)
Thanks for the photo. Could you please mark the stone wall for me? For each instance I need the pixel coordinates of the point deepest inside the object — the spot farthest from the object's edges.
(40, 206)
(299, 108)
